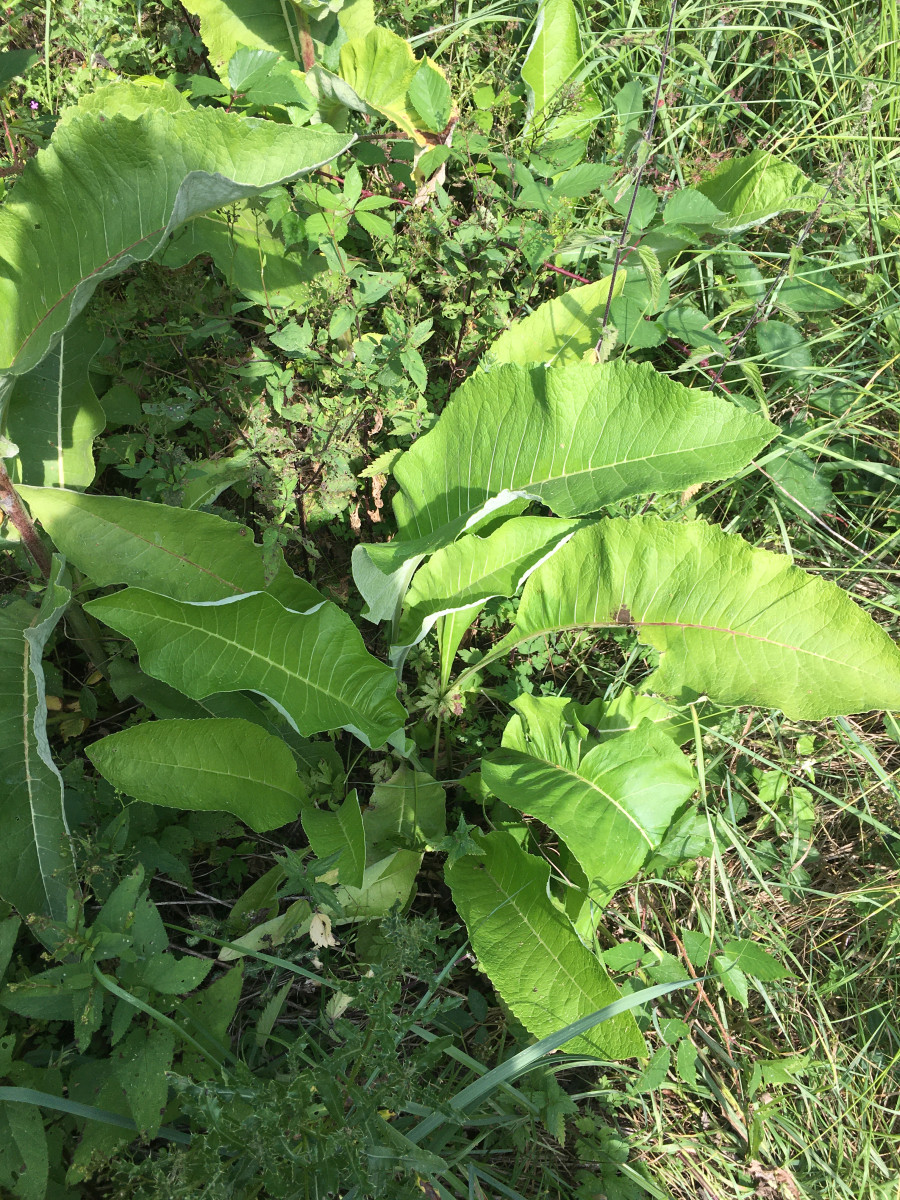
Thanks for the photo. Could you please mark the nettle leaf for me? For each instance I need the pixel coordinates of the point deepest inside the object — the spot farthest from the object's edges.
(218, 765)
(756, 187)
(469, 572)
(530, 950)
(251, 258)
(312, 666)
(559, 331)
(574, 438)
(54, 414)
(191, 556)
(140, 1063)
(36, 854)
(690, 207)
(741, 625)
(26, 1138)
(611, 803)
(107, 192)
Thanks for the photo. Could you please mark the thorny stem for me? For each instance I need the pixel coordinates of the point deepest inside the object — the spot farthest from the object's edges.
(648, 140)
(82, 628)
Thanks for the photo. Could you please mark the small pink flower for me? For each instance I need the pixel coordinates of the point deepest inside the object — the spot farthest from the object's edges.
(34, 106)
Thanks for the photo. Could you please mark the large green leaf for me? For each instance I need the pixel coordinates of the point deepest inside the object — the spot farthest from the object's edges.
(312, 666)
(380, 68)
(756, 187)
(227, 25)
(35, 858)
(470, 571)
(388, 883)
(574, 438)
(54, 415)
(559, 331)
(108, 191)
(192, 556)
(533, 956)
(552, 60)
(741, 625)
(214, 765)
(248, 254)
(611, 802)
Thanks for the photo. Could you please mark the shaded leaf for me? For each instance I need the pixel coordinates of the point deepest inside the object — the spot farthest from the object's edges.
(54, 414)
(219, 765)
(249, 255)
(36, 854)
(140, 1063)
(407, 811)
(340, 831)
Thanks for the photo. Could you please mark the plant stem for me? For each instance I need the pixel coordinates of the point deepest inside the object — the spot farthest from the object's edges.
(648, 140)
(15, 510)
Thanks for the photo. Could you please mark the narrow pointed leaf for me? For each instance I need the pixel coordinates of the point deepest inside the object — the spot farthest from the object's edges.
(741, 625)
(312, 666)
(474, 569)
(108, 191)
(218, 765)
(610, 803)
(575, 438)
(36, 857)
(54, 415)
(530, 951)
(189, 555)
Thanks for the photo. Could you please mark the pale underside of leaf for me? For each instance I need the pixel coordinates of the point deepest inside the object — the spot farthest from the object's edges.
(312, 666)
(474, 569)
(106, 193)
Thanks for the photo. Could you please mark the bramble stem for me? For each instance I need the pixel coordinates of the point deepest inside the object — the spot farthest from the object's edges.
(14, 509)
